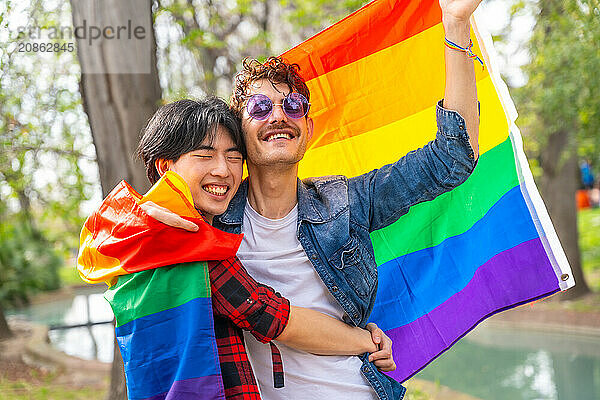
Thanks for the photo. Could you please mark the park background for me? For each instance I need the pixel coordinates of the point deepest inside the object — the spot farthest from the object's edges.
(50, 179)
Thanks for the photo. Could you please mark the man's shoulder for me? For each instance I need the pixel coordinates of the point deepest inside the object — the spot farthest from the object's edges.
(319, 182)
(338, 189)
(323, 198)
(328, 187)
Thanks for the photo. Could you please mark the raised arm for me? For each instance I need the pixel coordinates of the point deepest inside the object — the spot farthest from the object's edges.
(384, 195)
(461, 92)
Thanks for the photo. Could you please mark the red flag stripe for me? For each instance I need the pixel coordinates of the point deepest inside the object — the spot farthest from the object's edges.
(342, 45)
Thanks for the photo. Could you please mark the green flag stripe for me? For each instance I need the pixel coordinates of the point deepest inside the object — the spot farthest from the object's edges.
(143, 293)
(428, 224)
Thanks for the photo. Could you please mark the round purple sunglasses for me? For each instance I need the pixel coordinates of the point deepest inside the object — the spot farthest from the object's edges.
(294, 105)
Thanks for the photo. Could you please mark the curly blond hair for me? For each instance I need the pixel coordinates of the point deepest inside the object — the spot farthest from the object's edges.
(275, 69)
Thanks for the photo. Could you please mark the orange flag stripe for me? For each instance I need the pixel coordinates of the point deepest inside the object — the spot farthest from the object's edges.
(351, 100)
(363, 153)
(340, 45)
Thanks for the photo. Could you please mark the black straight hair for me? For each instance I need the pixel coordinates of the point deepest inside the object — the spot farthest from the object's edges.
(182, 126)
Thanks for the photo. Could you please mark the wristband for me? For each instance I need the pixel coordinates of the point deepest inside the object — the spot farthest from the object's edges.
(467, 50)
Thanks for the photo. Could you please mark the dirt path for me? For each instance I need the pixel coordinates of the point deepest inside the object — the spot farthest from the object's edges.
(12, 366)
(576, 317)
(28, 357)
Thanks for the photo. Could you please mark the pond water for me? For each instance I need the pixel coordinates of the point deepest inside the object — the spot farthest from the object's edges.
(501, 364)
(90, 343)
(491, 363)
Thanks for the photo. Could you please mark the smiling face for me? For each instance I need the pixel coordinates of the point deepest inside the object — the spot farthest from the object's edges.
(213, 172)
(278, 140)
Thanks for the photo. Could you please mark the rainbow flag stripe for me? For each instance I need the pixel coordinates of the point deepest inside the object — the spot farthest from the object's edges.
(486, 246)
(111, 238)
(164, 327)
(159, 290)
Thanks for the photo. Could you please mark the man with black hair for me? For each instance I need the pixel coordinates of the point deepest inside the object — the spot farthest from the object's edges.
(201, 141)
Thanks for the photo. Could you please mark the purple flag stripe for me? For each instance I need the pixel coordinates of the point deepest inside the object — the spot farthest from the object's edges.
(203, 388)
(513, 277)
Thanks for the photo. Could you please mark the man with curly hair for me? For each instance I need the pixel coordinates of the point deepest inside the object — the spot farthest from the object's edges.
(310, 239)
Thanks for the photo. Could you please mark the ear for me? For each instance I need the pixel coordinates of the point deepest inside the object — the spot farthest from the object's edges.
(162, 165)
(310, 127)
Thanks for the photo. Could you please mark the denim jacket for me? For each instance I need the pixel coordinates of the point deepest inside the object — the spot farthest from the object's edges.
(336, 215)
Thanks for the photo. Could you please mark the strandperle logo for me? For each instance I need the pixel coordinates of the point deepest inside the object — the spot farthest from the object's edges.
(87, 32)
(99, 34)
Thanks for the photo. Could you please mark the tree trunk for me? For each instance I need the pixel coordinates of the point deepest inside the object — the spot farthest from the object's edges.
(5, 332)
(264, 25)
(119, 84)
(117, 390)
(120, 92)
(559, 183)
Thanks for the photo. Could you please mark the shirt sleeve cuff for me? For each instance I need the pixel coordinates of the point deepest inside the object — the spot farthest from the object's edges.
(270, 314)
(451, 124)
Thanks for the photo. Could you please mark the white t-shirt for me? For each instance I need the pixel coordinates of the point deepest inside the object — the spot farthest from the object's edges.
(272, 254)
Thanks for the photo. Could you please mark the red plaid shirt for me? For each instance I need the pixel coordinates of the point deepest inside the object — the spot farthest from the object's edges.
(239, 302)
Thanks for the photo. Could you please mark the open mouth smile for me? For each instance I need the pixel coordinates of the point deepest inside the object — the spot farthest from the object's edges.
(216, 190)
(279, 135)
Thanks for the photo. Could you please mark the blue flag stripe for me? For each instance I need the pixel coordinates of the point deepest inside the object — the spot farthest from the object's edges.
(414, 284)
(169, 346)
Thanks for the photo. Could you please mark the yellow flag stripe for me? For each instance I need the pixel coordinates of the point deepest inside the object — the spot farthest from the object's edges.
(385, 145)
(352, 100)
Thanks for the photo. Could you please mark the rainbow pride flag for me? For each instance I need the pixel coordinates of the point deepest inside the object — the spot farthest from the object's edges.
(484, 247)
(163, 316)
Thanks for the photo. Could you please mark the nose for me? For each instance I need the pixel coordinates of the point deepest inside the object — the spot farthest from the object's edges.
(277, 115)
(220, 167)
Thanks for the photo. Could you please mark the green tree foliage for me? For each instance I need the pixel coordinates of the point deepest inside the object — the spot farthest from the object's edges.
(27, 264)
(45, 147)
(201, 43)
(308, 17)
(562, 90)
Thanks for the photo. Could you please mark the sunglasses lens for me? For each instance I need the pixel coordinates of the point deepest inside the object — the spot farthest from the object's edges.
(295, 105)
(259, 107)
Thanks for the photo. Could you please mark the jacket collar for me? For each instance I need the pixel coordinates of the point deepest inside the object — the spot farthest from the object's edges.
(234, 215)
(306, 205)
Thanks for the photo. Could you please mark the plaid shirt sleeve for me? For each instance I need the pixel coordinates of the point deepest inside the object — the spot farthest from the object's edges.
(249, 305)
(238, 378)
(239, 302)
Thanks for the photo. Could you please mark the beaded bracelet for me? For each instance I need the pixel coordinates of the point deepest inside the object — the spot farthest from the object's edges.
(467, 50)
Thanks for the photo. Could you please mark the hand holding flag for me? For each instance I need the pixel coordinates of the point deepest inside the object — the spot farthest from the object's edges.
(458, 11)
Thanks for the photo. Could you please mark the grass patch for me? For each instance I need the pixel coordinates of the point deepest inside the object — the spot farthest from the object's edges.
(416, 394)
(69, 276)
(589, 244)
(24, 390)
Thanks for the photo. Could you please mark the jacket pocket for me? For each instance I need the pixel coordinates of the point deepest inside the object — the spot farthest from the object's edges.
(351, 260)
